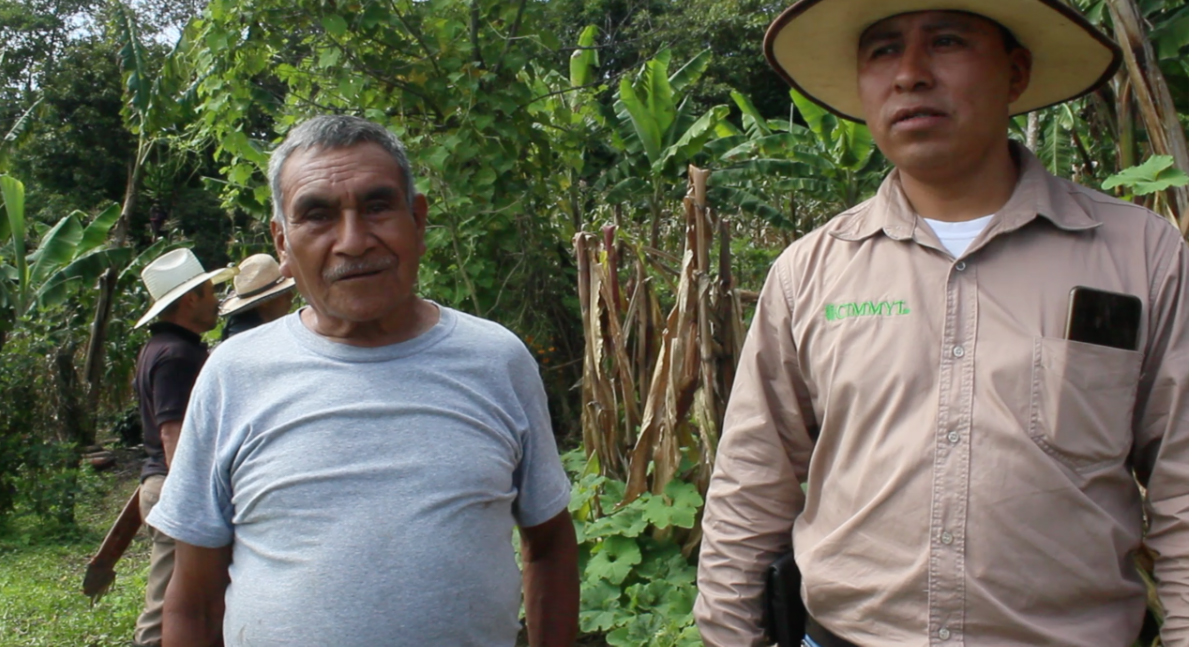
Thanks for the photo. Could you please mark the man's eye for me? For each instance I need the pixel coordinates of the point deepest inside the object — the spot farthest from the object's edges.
(316, 216)
(884, 50)
(378, 208)
(947, 40)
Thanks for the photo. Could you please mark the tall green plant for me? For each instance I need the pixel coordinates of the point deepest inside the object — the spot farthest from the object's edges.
(657, 132)
(68, 256)
(794, 174)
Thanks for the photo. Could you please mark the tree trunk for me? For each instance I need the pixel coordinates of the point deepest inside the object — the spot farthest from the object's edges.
(1153, 97)
(93, 367)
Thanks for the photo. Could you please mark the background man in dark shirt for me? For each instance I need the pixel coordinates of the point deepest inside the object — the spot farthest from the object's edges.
(185, 306)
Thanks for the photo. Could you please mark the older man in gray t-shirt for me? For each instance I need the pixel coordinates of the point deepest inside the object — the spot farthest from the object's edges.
(369, 494)
(351, 474)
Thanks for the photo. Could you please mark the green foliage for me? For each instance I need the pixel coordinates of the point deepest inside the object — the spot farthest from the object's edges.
(636, 586)
(40, 574)
(67, 257)
(813, 169)
(1153, 175)
(37, 479)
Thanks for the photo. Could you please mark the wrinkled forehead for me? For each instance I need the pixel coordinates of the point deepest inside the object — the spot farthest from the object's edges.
(928, 20)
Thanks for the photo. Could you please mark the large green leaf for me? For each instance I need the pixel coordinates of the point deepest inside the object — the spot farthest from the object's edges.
(854, 144)
(676, 507)
(616, 556)
(814, 115)
(726, 198)
(629, 189)
(660, 96)
(133, 59)
(690, 73)
(585, 60)
(599, 606)
(13, 193)
(1153, 175)
(759, 171)
(83, 271)
(693, 140)
(1171, 33)
(644, 123)
(96, 233)
(56, 248)
(19, 129)
(752, 122)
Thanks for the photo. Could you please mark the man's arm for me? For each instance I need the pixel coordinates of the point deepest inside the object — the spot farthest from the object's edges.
(755, 497)
(550, 556)
(194, 608)
(168, 433)
(1161, 442)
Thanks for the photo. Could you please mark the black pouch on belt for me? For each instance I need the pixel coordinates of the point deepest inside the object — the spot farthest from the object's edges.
(783, 608)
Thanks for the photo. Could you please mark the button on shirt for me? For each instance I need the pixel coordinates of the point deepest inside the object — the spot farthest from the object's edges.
(971, 473)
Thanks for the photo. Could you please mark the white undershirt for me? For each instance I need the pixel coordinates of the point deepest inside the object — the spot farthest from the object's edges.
(956, 236)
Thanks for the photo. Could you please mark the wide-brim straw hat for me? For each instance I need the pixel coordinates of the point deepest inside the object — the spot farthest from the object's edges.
(814, 45)
(258, 280)
(173, 275)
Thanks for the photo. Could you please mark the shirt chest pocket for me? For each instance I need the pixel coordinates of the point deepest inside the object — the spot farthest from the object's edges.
(1081, 410)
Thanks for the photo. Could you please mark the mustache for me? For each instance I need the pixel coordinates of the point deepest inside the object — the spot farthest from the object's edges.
(360, 266)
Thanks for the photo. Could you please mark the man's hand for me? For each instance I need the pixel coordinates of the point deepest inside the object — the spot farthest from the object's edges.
(194, 608)
(550, 556)
(168, 432)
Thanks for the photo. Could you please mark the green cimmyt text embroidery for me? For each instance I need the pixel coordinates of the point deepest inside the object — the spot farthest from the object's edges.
(836, 311)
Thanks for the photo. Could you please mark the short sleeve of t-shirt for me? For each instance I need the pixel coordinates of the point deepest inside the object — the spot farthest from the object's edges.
(172, 380)
(198, 488)
(542, 486)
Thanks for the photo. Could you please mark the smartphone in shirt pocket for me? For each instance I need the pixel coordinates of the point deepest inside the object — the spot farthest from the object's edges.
(1085, 386)
(1108, 319)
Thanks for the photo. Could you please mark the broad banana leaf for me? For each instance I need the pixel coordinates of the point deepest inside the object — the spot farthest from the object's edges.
(627, 190)
(13, 193)
(690, 73)
(752, 122)
(133, 59)
(83, 271)
(660, 97)
(693, 140)
(854, 144)
(757, 171)
(729, 197)
(56, 248)
(585, 60)
(644, 124)
(96, 233)
(814, 115)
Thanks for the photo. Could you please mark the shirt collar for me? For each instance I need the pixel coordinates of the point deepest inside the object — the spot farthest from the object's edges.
(170, 327)
(1037, 194)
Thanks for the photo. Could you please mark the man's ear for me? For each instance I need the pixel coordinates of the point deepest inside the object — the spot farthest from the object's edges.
(1021, 65)
(420, 212)
(280, 240)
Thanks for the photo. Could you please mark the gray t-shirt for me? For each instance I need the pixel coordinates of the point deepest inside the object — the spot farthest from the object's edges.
(369, 493)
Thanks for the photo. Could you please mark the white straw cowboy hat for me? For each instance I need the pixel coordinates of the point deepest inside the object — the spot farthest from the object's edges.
(814, 45)
(257, 280)
(172, 275)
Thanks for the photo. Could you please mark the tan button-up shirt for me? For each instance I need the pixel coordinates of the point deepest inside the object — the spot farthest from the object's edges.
(971, 473)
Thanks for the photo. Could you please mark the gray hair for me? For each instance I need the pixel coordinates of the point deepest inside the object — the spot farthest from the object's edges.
(333, 131)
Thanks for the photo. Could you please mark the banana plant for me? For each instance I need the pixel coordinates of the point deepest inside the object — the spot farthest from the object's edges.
(68, 255)
(813, 168)
(657, 133)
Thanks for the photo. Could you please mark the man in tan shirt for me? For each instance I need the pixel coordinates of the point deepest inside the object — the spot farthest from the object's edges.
(972, 475)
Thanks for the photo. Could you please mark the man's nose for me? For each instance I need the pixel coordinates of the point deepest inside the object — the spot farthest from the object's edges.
(914, 70)
(354, 234)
